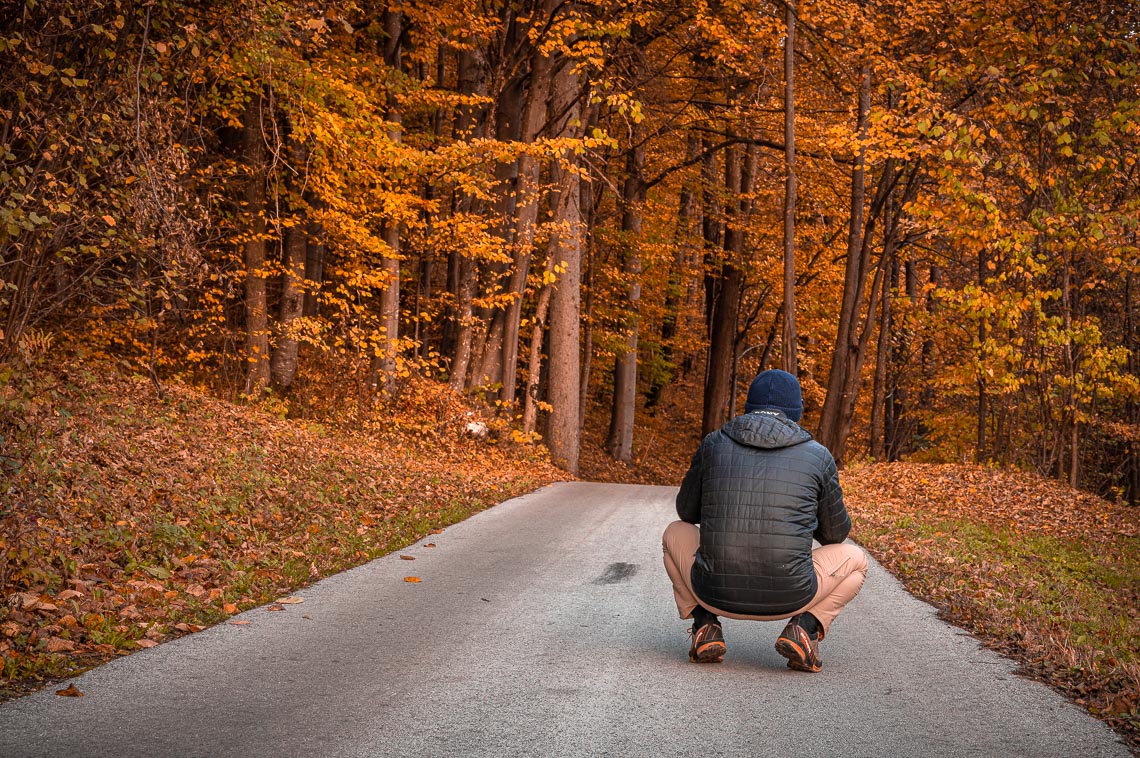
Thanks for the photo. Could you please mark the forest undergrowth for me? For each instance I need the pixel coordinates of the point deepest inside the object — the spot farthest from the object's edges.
(127, 518)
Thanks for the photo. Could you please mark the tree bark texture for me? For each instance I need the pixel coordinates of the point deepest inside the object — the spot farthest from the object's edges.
(722, 345)
(562, 436)
(254, 253)
(620, 440)
(844, 355)
(385, 363)
(526, 217)
(790, 361)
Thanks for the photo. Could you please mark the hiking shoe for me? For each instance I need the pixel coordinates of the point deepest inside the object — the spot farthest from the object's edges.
(708, 644)
(802, 652)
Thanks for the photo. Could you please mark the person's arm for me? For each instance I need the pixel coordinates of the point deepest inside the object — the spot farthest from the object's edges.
(689, 496)
(834, 523)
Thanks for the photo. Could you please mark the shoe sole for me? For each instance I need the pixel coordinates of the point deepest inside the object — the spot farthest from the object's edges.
(796, 655)
(710, 652)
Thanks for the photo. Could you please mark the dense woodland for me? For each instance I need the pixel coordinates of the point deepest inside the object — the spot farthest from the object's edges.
(926, 209)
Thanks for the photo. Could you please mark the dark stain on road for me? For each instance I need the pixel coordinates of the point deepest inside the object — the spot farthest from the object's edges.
(616, 572)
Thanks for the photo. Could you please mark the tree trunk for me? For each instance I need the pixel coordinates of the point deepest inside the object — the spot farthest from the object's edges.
(588, 209)
(384, 365)
(472, 80)
(882, 357)
(843, 356)
(677, 284)
(314, 268)
(526, 216)
(722, 345)
(283, 366)
(790, 362)
(562, 435)
(256, 307)
(710, 233)
(620, 441)
(534, 361)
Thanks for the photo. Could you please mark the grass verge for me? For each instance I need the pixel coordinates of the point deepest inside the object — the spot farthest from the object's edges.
(127, 518)
(1037, 571)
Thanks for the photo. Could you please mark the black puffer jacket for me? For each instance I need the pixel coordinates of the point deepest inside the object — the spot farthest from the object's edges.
(761, 488)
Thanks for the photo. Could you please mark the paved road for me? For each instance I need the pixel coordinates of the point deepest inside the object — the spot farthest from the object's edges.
(545, 627)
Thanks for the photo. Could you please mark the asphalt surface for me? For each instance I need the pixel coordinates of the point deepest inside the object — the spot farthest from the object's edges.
(545, 627)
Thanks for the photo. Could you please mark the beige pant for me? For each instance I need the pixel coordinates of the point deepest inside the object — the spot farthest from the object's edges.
(839, 570)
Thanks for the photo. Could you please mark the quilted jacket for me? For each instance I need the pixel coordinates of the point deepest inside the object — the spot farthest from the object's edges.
(761, 488)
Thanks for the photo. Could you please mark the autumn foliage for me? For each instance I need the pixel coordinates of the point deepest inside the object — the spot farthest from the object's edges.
(591, 221)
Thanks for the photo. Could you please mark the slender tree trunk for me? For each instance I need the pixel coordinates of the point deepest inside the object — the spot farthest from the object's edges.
(882, 357)
(790, 362)
(526, 216)
(534, 360)
(1132, 446)
(1072, 413)
(843, 355)
(678, 276)
(314, 266)
(472, 72)
(256, 306)
(563, 428)
(385, 362)
(710, 233)
(588, 207)
(982, 406)
(283, 365)
(722, 345)
(620, 441)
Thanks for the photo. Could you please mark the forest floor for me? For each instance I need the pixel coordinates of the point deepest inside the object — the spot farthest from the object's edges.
(128, 518)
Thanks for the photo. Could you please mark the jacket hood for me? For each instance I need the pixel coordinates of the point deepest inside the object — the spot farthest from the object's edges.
(766, 429)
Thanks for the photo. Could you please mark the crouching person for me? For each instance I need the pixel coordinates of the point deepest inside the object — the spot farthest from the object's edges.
(761, 488)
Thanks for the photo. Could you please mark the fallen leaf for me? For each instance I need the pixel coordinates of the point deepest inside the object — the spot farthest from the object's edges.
(68, 595)
(59, 645)
(145, 643)
(68, 620)
(430, 544)
(10, 628)
(437, 531)
(229, 608)
(189, 627)
(412, 579)
(25, 601)
(70, 691)
(407, 557)
(239, 622)
(276, 607)
(290, 600)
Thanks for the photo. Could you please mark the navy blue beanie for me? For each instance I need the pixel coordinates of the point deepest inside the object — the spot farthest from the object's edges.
(777, 390)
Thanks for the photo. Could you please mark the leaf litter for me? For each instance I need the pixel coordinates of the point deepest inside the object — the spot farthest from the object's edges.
(127, 519)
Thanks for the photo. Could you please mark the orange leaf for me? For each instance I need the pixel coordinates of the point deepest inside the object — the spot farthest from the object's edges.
(407, 557)
(70, 691)
(145, 643)
(230, 608)
(239, 622)
(412, 579)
